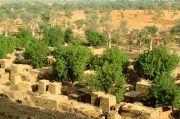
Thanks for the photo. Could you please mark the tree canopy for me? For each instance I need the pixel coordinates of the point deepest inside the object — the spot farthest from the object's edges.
(164, 91)
(70, 63)
(54, 36)
(109, 73)
(95, 38)
(36, 52)
(153, 63)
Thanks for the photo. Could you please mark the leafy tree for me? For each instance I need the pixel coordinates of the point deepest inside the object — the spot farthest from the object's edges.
(36, 52)
(7, 45)
(54, 36)
(24, 36)
(71, 62)
(95, 38)
(68, 35)
(109, 74)
(155, 62)
(163, 90)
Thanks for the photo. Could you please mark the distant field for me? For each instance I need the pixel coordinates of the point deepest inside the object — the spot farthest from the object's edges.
(136, 19)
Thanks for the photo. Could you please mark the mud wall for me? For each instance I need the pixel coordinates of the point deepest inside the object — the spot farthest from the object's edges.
(12, 110)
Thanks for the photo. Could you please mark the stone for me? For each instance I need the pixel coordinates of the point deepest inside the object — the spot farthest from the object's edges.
(143, 87)
(114, 115)
(20, 68)
(140, 111)
(106, 101)
(95, 98)
(24, 86)
(2, 70)
(4, 77)
(55, 88)
(47, 103)
(15, 78)
(42, 86)
(5, 63)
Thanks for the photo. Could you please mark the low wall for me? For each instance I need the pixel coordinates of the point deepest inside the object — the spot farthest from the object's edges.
(12, 110)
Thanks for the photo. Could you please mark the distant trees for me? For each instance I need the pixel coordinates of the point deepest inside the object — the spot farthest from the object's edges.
(36, 52)
(176, 28)
(152, 32)
(70, 63)
(95, 38)
(109, 73)
(80, 23)
(142, 38)
(54, 36)
(153, 63)
(91, 19)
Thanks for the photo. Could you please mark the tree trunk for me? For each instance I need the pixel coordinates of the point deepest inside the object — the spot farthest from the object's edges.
(109, 41)
(6, 32)
(150, 44)
(131, 47)
(140, 47)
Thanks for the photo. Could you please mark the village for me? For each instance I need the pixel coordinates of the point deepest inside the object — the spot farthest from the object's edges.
(90, 59)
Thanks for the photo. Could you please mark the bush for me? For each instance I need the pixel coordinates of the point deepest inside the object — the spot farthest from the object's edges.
(71, 62)
(95, 38)
(163, 90)
(36, 52)
(7, 45)
(95, 61)
(54, 36)
(68, 35)
(155, 62)
(24, 37)
(109, 74)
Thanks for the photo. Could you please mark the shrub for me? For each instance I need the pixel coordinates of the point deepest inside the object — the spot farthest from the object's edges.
(109, 74)
(155, 62)
(163, 90)
(71, 62)
(54, 36)
(36, 52)
(95, 38)
(68, 35)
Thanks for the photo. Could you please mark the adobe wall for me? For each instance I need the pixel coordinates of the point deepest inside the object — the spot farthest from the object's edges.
(12, 110)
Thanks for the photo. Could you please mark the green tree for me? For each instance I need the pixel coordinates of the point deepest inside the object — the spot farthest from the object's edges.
(54, 36)
(71, 62)
(163, 90)
(24, 36)
(7, 45)
(36, 52)
(68, 35)
(109, 73)
(153, 63)
(95, 38)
